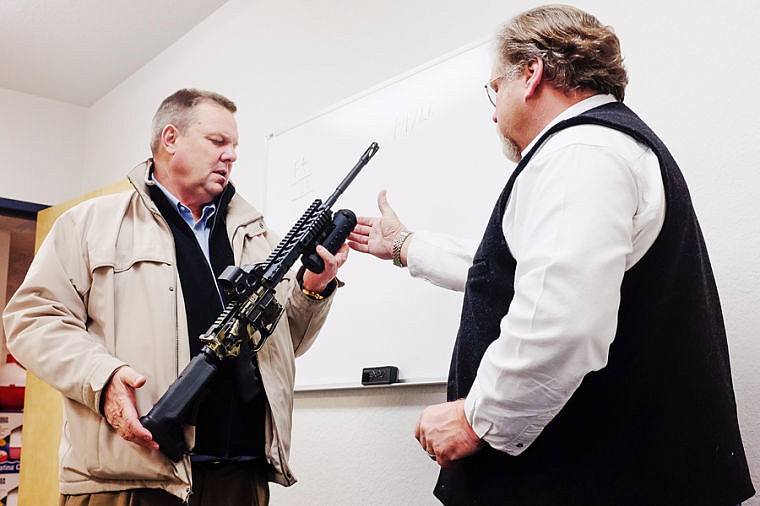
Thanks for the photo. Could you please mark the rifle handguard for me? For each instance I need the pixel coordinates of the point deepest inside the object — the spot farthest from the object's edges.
(344, 222)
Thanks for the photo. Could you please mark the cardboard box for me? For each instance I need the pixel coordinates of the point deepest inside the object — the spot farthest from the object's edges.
(10, 456)
(10, 420)
(9, 489)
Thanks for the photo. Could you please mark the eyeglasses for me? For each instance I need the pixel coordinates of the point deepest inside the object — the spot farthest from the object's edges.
(509, 74)
(490, 91)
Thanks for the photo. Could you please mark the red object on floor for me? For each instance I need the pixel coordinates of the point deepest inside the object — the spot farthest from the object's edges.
(12, 385)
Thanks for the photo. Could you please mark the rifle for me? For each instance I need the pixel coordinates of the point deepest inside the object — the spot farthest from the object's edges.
(252, 310)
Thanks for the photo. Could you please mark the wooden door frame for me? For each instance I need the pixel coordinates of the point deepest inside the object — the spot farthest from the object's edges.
(43, 406)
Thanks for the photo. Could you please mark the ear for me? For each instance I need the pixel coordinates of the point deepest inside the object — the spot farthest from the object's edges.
(169, 138)
(535, 74)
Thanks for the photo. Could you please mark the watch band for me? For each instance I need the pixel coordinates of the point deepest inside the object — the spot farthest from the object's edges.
(397, 245)
(312, 295)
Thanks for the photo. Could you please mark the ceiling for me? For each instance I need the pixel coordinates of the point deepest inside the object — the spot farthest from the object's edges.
(76, 51)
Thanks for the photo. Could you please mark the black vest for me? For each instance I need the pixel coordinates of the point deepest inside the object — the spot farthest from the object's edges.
(657, 425)
(228, 423)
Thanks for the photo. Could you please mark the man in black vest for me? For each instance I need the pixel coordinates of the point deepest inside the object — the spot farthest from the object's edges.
(591, 365)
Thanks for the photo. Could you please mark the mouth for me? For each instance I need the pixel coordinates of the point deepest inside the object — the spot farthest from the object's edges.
(223, 172)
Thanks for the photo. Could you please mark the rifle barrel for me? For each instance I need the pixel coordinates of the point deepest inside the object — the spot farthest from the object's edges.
(366, 157)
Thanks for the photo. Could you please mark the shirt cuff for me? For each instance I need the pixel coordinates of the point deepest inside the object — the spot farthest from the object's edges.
(480, 426)
(494, 431)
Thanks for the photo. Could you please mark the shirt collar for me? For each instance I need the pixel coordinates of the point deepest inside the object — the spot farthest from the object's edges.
(182, 209)
(574, 110)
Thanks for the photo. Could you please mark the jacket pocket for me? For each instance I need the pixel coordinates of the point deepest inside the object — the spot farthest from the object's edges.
(127, 287)
(104, 455)
(132, 308)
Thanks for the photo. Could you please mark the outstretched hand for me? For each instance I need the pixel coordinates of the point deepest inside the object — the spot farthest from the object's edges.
(376, 235)
(120, 408)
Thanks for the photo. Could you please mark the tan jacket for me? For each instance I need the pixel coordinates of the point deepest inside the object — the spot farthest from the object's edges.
(103, 291)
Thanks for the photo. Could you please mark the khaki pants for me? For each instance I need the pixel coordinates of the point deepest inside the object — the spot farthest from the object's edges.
(213, 485)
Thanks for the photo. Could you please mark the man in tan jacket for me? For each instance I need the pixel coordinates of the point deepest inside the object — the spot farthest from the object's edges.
(113, 304)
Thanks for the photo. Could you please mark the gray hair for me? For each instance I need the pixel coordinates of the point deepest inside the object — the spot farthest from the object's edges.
(178, 109)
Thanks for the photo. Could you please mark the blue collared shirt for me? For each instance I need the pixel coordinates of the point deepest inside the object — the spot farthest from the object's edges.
(201, 228)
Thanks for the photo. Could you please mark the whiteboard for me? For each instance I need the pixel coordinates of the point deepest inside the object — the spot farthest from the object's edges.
(441, 162)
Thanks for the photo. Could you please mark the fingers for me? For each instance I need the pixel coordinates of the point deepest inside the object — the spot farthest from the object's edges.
(318, 282)
(341, 255)
(120, 408)
(376, 235)
(359, 239)
(333, 261)
(367, 222)
(362, 248)
(362, 239)
(131, 377)
(383, 205)
(419, 433)
(362, 230)
(129, 428)
(424, 443)
(445, 434)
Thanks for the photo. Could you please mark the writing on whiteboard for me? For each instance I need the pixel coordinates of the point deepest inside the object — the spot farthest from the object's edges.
(301, 183)
(406, 123)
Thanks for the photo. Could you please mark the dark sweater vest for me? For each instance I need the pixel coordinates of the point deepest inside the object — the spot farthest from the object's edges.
(226, 425)
(657, 425)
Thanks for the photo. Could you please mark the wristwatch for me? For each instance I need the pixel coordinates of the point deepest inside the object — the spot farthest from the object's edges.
(397, 245)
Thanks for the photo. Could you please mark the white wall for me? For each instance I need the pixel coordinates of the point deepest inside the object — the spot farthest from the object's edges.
(41, 147)
(693, 71)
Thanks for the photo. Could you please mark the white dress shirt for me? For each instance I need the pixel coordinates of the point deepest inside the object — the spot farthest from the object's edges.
(586, 208)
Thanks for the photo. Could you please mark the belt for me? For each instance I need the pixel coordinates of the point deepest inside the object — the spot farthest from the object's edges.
(218, 463)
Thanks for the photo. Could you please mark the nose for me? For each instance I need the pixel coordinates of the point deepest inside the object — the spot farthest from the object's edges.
(229, 154)
(493, 118)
